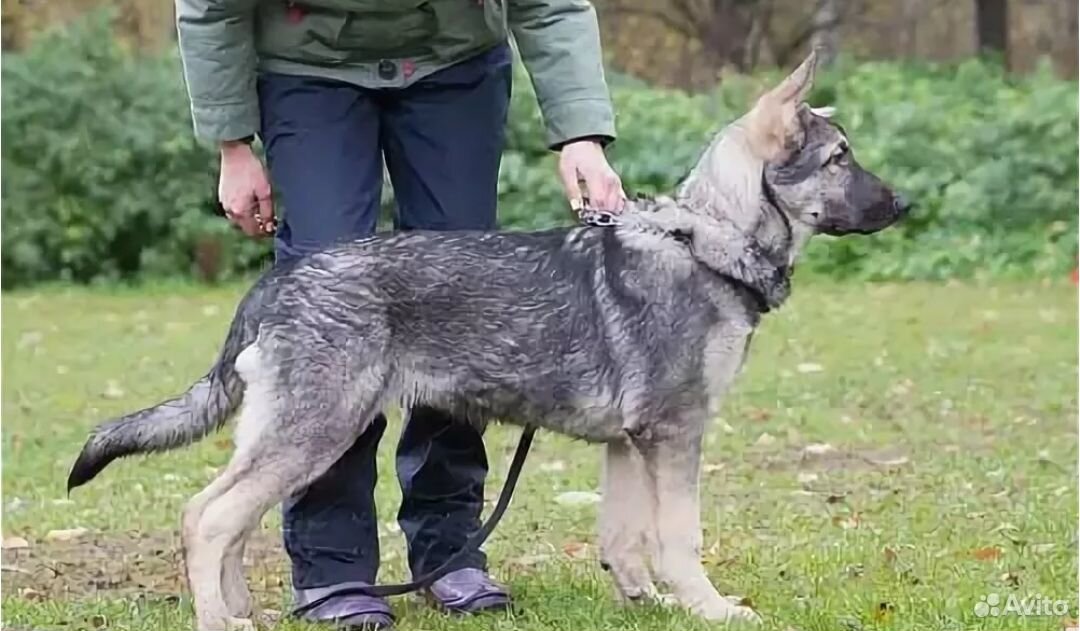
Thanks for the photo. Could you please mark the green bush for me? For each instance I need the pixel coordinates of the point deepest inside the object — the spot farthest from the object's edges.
(102, 178)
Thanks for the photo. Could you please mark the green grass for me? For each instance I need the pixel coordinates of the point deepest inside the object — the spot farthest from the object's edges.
(951, 411)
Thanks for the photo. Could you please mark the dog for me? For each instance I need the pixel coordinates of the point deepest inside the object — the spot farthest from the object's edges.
(626, 336)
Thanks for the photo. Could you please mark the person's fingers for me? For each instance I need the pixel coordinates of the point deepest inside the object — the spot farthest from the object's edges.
(242, 215)
(605, 190)
(265, 201)
(568, 174)
(266, 214)
(614, 197)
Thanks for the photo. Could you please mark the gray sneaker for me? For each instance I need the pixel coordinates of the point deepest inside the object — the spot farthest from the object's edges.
(345, 611)
(469, 590)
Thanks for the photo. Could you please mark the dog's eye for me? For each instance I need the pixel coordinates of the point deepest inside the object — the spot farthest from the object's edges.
(839, 153)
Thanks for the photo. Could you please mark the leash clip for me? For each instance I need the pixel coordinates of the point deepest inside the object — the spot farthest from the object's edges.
(598, 218)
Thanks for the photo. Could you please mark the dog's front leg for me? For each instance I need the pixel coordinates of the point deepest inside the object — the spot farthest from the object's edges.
(626, 522)
(672, 464)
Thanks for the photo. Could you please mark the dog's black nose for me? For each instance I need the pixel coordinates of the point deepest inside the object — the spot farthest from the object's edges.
(901, 204)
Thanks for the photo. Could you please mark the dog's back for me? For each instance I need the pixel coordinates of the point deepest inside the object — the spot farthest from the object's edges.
(555, 328)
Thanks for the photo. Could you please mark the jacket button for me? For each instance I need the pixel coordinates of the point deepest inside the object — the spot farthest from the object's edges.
(387, 69)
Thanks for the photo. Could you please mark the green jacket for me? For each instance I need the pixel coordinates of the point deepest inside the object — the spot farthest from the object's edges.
(387, 44)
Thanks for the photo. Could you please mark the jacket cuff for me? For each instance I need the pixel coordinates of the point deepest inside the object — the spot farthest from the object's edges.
(228, 121)
(581, 118)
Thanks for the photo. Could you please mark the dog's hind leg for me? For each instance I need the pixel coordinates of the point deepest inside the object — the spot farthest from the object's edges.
(234, 588)
(308, 416)
(673, 466)
(625, 522)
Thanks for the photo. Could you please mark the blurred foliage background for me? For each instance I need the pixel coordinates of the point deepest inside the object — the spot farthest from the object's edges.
(970, 108)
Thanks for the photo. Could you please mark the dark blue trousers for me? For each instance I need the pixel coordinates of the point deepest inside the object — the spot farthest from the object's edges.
(326, 142)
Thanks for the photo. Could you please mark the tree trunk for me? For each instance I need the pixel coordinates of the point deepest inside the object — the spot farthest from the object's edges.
(826, 39)
(992, 28)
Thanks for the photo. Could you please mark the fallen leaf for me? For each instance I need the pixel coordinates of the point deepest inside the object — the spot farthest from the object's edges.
(67, 534)
(759, 414)
(577, 498)
(809, 367)
(883, 611)
(112, 390)
(576, 549)
(847, 522)
(890, 554)
(553, 466)
(806, 477)
(765, 439)
(1012, 579)
(529, 560)
(818, 449)
(713, 468)
(1042, 548)
(14, 543)
(987, 553)
(28, 339)
(889, 462)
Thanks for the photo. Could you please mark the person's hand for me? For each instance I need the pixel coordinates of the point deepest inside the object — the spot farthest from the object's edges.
(584, 161)
(244, 190)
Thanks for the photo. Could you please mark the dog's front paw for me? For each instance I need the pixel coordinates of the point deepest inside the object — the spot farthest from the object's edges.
(728, 610)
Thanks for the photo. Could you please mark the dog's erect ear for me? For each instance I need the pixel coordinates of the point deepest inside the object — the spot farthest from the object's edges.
(796, 86)
(774, 122)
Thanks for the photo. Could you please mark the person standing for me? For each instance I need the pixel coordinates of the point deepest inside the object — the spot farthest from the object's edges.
(335, 90)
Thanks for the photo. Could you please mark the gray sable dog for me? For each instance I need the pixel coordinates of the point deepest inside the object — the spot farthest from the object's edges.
(627, 336)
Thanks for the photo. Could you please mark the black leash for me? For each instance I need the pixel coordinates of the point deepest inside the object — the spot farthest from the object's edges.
(472, 544)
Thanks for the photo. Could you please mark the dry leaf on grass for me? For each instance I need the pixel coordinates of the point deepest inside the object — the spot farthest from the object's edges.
(576, 549)
(66, 534)
(987, 553)
(14, 543)
(847, 522)
(577, 498)
(818, 449)
(890, 554)
(883, 611)
(112, 390)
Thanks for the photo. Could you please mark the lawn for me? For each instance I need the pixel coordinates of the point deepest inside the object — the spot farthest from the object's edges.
(892, 456)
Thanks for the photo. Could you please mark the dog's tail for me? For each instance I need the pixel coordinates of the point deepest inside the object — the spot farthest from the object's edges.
(205, 407)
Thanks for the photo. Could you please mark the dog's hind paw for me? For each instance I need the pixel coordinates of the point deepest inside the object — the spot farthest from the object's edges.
(239, 624)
